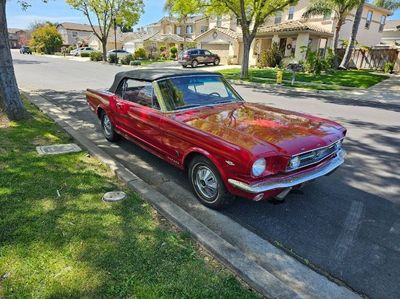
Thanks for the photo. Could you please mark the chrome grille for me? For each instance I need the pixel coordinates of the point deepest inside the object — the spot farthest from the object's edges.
(316, 156)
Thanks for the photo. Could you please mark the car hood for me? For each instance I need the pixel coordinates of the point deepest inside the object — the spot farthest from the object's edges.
(259, 128)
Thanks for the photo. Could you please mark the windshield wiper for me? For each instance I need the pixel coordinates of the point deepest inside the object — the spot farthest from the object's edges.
(187, 106)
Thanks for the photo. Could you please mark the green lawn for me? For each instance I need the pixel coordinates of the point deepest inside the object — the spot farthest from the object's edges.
(74, 245)
(351, 78)
(147, 62)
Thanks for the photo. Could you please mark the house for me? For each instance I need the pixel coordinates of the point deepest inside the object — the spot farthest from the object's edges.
(391, 33)
(168, 32)
(74, 34)
(291, 32)
(114, 41)
(18, 37)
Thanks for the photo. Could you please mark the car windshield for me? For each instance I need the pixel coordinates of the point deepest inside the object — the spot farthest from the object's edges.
(195, 91)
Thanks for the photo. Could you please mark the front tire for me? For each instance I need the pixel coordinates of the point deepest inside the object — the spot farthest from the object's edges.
(108, 128)
(195, 63)
(216, 62)
(207, 184)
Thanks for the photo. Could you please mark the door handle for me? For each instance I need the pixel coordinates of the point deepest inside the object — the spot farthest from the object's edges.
(119, 105)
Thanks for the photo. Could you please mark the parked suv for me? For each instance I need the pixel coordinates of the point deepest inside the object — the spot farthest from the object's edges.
(194, 57)
(79, 51)
(25, 50)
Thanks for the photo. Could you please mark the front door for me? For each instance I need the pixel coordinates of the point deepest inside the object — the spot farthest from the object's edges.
(282, 45)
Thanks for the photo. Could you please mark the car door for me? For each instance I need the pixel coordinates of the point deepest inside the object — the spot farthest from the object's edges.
(139, 113)
(208, 57)
(201, 56)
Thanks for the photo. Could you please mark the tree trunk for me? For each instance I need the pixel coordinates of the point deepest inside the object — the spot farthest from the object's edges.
(247, 40)
(104, 47)
(352, 39)
(10, 100)
(336, 41)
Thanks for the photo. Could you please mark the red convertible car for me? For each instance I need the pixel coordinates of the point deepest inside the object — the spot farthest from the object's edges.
(196, 121)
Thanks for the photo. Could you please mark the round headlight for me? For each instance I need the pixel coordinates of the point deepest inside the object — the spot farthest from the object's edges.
(294, 163)
(258, 167)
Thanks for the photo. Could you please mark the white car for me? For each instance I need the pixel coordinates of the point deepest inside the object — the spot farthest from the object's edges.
(79, 51)
(119, 53)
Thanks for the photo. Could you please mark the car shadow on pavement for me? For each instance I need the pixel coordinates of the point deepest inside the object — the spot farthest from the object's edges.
(20, 61)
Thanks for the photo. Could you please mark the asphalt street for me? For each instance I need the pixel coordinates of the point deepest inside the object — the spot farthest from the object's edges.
(346, 225)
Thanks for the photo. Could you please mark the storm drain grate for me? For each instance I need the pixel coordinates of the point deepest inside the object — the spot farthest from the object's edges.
(57, 149)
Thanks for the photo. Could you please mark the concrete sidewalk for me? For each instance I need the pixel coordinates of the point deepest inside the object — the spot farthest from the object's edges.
(264, 267)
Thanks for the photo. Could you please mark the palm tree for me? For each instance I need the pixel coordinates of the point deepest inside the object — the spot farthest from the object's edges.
(352, 39)
(340, 8)
(391, 5)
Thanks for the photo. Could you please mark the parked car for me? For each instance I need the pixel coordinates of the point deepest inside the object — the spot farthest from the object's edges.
(79, 51)
(25, 50)
(194, 57)
(120, 53)
(197, 122)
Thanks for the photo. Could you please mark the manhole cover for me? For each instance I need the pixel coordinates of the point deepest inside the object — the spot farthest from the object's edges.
(56, 149)
(114, 196)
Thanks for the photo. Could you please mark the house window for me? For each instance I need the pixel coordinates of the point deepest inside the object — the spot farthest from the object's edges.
(278, 17)
(219, 21)
(203, 29)
(74, 34)
(327, 15)
(291, 13)
(369, 19)
(189, 29)
(382, 23)
(178, 30)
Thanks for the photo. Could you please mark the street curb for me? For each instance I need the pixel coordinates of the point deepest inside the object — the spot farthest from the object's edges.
(239, 260)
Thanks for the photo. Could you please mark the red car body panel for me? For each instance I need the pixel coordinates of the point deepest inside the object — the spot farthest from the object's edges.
(232, 136)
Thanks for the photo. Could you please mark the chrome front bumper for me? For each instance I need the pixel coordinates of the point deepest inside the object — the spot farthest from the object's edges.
(294, 179)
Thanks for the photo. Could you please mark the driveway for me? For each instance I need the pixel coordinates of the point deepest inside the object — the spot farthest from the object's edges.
(346, 226)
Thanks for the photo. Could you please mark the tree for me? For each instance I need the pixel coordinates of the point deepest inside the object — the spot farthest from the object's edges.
(353, 36)
(10, 100)
(107, 13)
(251, 14)
(182, 9)
(391, 5)
(46, 39)
(341, 8)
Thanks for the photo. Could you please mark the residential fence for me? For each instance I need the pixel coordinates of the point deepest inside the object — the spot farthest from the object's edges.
(373, 58)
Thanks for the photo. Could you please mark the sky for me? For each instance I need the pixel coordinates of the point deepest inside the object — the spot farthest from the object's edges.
(58, 11)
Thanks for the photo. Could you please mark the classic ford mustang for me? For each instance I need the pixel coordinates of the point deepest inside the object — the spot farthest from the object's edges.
(199, 123)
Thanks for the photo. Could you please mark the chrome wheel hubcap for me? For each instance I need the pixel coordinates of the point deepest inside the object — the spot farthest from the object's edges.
(206, 182)
(107, 125)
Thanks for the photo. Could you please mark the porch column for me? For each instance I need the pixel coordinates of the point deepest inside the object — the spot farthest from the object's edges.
(301, 41)
(275, 39)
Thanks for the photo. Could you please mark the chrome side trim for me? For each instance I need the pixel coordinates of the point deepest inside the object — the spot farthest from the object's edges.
(291, 180)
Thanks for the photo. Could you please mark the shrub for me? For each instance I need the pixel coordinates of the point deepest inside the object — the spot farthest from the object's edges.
(96, 56)
(315, 63)
(271, 57)
(388, 67)
(135, 62)
(126, 60)
(140, 53)
(112, 58)
(85, 54)
(173, 51)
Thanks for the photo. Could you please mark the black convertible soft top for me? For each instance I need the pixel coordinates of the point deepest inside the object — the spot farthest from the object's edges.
(153, 74)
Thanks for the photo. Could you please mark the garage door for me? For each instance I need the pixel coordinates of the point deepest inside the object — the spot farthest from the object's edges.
(222, 50)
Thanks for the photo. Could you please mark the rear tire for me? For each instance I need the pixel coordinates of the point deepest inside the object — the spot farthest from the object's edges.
(194, 63)
(207, 184)
(108, 128)
(216, 62)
